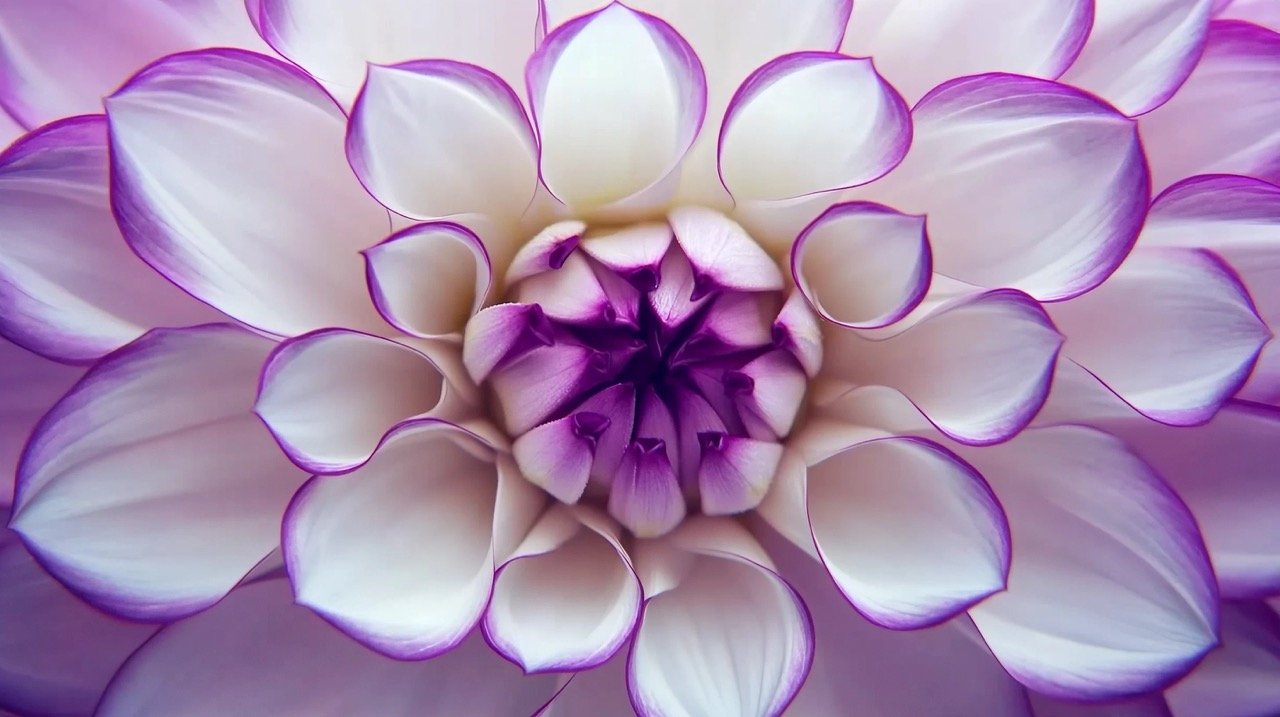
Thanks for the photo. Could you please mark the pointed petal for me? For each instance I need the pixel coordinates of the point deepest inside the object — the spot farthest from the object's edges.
(501, 333)
(577, 294)
(776, 388)
(536, 385)
(546, 251)
(645, 496)
(429, 279)
(557, 456)
(735, 472)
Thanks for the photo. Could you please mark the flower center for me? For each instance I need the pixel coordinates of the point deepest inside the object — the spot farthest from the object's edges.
(644, 368)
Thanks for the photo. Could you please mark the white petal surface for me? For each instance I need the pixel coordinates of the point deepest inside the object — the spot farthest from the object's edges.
(1140, 51)
(429, 279)
(1110, 591)
(263, 138)
(434, 138)
(811, 122)
(721, 253)
(32, 385)
(1172, 332)
(358, 547)
(911, 534)
(329, 397)
(1231, 100)
(62, 56)
(978, 367)
(72, 288)
(334, 39)
(977, 162)
(1239, 678)
(566, 605)
(863, 265)
(618, 98)
(257, 654)
(1028, 37)
(151, 488)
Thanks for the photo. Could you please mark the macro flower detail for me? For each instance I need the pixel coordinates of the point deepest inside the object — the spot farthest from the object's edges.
(581, 357)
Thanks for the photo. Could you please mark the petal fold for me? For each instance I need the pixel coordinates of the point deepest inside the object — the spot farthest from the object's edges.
(429, 279)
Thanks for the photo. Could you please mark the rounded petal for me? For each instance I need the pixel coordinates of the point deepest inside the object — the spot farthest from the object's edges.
(1238, 678)
(911, 534)
(1172, 332)
(978, 367)
(1140, 52)
(1228, 103)
(32, 384)
(71, 287)
(269, 233)
(256, 653)
(890, 277)
(978, 162)
(811, 122)
(330, 396)
(1110, 591)
(721, 253)
(359, 547)
(434, 138)
(429, 279)
(1028, 37)
(618, 97)
(150, 489)
(567, 604)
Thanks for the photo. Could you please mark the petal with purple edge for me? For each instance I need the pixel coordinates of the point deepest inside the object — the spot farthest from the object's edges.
(429, 279)
(32, 384)
(72, 289)
(258, 653)
(618, 403)
(436, 138)
(911, 534)
(977, 162)
(546, 251)
(618, 97)
(558, 456)
(721, 253)
(576, 293)
(1172, 332)
(330, 396)
(1139, 53)
(735, 472)
(265, 139)
(565, 604)
(1240, 69)
(542, 381)
(1029, 37)
(645, 495)
(501, 333)
(811, 122)
(150, 489)
(1258, 12)
(1238, 678)
(634, 252)
(888, 279)
(358, 547)
(768, 391)
(1110, 590)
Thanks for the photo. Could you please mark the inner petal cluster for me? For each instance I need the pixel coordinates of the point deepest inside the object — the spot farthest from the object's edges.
(654, 368)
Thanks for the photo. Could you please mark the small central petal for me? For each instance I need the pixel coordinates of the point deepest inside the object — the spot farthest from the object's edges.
(646, 369)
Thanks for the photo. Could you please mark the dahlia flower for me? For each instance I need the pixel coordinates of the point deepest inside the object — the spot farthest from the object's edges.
(575, 357)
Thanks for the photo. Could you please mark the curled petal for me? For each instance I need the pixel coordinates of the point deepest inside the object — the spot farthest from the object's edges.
(796, 331)
(546, 251)
(429, 279)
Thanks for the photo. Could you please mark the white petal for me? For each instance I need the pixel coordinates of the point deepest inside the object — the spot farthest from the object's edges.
(360, 547)
(32, 385)
(547, 250)
(1172, 332)
(908, 38)
(1221, 119)
(1140, 51)
(434, 138)
(256, 653)
(429, 279)
(330, 396)
(269, 233)
(721, 253)
(151, 488)
(618, 98)
(1110, 592)
(811, 122)
(977, 163)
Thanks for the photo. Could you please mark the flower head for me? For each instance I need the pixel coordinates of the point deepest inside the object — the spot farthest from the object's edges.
(708, 358)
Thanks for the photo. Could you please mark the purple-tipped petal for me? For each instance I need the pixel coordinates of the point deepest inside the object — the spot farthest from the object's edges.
(645, 495)
(654, 421)
(634, 252)
(1238, 678)
(258, 653)
(1139, 53)
(721, 253)
(1172, 332)
(618, 404)
(672, 301)
(1240, 69)
(429, 279)
(32, 384)
(736, 321)
(888, 279)
(618, 97)
(768, 394)
(330, 396)
(811, 122)
(71, 288)
(263, 138)
(694, 416)
(151, 488)
(546, 251)
(1040, 38)
(994, 135)
(500, 334)
(575, 293)
(358, 546)
(567, 605)
(436, 138)
(1110, 591)
(735, 472)
(534, 386)
(796, 331)
(557, 456)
